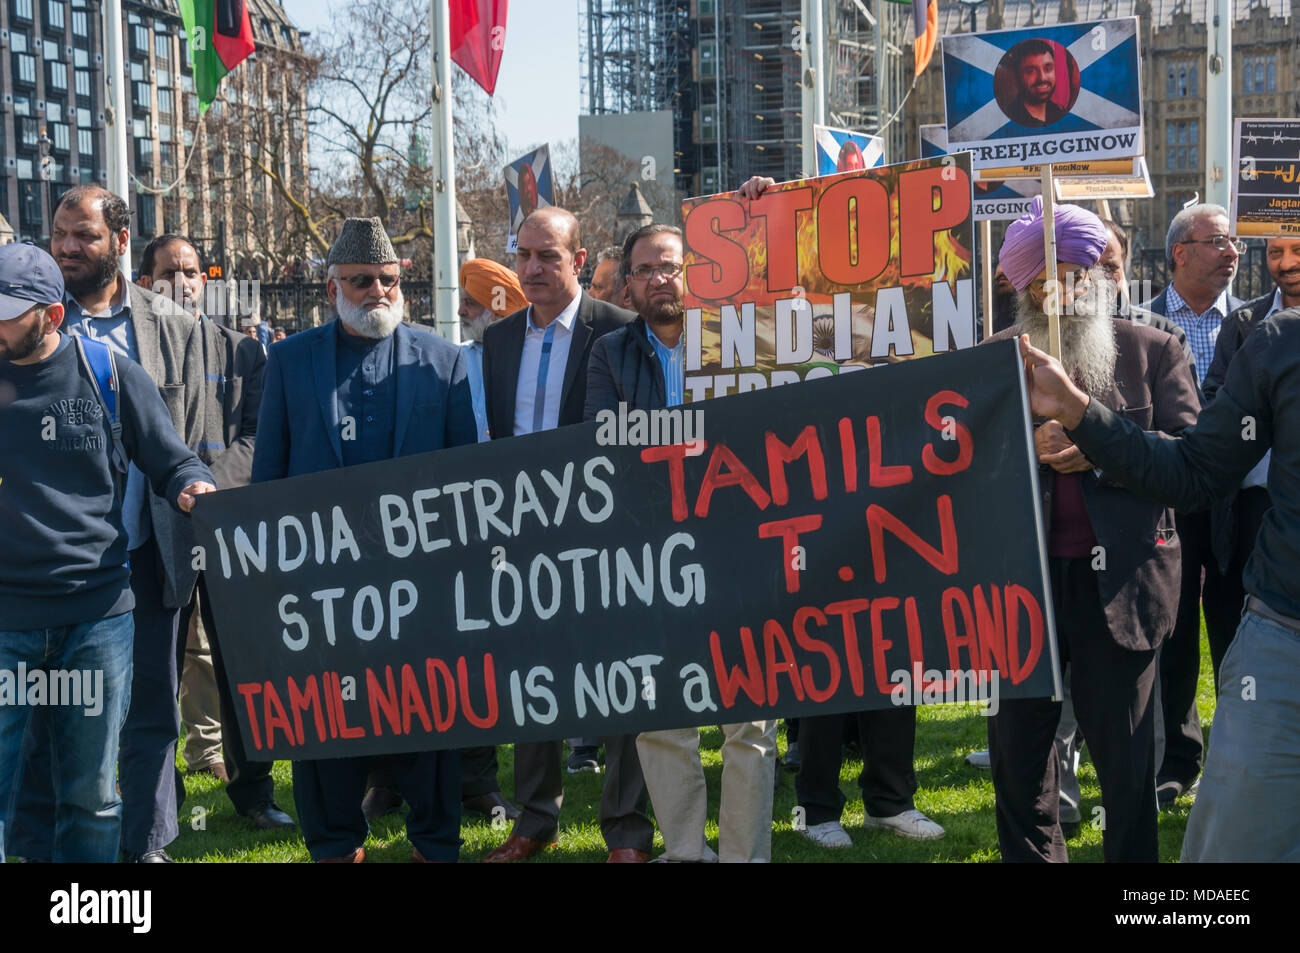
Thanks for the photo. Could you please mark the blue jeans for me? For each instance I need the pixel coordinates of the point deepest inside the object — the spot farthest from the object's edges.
(1245, 809)
(88, 812)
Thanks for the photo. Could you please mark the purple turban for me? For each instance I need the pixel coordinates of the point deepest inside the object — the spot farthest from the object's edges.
(1080, 240)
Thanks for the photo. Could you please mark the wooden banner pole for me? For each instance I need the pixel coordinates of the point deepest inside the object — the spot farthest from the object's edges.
(1052, 303)
(986, 275)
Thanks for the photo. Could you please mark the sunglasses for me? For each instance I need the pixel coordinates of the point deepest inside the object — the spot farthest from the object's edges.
(363, 282)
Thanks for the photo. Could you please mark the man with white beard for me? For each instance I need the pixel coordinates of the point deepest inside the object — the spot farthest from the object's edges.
(1113, 559)
(367, 387)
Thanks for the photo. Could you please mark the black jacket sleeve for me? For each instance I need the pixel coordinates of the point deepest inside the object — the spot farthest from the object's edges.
(1190, 471)
(234, 465)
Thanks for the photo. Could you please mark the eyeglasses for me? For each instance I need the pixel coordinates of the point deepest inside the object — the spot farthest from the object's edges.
(669, 270)
(1221, 243)
(363, 282)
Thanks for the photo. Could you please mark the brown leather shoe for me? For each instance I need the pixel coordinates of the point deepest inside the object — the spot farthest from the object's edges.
(217, 769)
(515, 848)
(486, 804)
(627, 855)
(356, 857)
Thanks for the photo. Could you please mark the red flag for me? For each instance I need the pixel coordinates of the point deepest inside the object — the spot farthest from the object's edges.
(478, 38)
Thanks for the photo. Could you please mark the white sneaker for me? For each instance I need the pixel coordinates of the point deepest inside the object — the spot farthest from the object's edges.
(979, 759)
(911, 824)
(830, 834)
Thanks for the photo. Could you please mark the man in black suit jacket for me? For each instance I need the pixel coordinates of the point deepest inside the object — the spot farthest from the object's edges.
(1114, 566)
(1235, 519)
(535, 378)
(1199, 303)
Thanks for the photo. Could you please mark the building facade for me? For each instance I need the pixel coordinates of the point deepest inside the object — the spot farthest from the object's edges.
(53, 129)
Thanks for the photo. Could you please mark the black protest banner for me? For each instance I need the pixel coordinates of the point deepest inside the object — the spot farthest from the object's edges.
(856, 542)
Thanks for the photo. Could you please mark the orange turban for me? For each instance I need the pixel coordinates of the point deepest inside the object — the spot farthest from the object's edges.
(491, 284)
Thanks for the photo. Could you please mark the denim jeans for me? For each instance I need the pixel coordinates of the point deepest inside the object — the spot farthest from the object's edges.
(88, 812)
(1246, 807)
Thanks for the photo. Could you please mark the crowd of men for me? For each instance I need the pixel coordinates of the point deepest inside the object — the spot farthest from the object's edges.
(119, 406)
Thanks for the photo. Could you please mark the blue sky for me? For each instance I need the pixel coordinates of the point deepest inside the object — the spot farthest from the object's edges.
(538, 84)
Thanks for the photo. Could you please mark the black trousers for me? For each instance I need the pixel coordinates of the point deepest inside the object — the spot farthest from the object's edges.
(1222, 596)
(1111, 689)
(887, 737)
(539, 791)
(478, 772)
(250, 786)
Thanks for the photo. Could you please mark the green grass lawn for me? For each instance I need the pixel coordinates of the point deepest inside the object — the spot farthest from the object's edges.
(953, 794)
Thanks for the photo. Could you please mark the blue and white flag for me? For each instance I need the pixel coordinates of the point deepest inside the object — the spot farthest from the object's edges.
(528, 187)
(843, 150)
(993, 201)
(1045, 94)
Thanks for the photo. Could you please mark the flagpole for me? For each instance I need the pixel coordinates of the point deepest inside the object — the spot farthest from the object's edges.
(446, 272)
(986, 274)
(115, 115)
(813, 86)
(1052, 302)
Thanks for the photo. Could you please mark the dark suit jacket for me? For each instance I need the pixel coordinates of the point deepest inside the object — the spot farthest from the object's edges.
(503, 348)
(1139, 586)
(1224, 524)
(625, 369)
(300, 430)
(240, 362)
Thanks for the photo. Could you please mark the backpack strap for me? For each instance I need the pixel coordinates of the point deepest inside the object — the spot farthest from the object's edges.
(98, 361)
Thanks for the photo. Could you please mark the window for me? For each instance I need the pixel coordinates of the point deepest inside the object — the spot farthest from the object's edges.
(54, 15)
(187, 82)
(1182, 82)
(57, 76)
(20, 42)
(83, 83)
(80, 24)
(165, 101)
(139, 129)
(141, 95)
(165, 132)
(137, 72)
(146, 218)
(29, 133)
(86, 144)
(62, 138)
(50, 50)
(25, 69)
(53, 111)
(1259, 73)
(80, 58)
(161, 48)
(144, 153)
(164, 78)
(1182, 140)
(29, 203)
(1272, 73)
(83, 118)
(167, 156)
(189, 137)
(24, 168)
(22, 105)
(22, 10)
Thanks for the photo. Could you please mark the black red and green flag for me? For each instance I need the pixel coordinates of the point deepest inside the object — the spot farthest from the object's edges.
(925, 30)
(220, 38)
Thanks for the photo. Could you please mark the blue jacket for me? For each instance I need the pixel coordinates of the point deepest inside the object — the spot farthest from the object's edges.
(299, 429)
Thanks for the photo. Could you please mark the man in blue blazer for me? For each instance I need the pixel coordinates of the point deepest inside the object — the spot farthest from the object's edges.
(366, 387)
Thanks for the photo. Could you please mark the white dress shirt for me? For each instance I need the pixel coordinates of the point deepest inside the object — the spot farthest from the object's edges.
(530, 362)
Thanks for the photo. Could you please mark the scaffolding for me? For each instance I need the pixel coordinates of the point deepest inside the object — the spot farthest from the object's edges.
(730, 70)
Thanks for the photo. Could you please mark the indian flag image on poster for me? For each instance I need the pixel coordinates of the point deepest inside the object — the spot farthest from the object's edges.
(827, 275)
(220, 38)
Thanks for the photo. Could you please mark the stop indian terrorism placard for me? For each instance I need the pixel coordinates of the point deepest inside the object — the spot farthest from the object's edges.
(859, 542)
(823, 276)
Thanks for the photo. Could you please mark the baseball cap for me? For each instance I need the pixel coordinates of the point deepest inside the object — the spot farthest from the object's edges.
(28, 276)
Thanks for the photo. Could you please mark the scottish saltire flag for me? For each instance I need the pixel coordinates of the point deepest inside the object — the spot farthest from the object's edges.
(993, 201)
(528, 187)
(843, 150)
(1045, 94)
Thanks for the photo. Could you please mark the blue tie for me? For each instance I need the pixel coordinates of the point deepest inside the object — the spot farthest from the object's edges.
(539, 402)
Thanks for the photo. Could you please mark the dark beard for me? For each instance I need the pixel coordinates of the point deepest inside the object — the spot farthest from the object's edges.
(104, 274)
(28, 345)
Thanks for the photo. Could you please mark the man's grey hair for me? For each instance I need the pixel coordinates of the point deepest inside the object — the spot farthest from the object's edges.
(610, 253)
(1182, 226)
